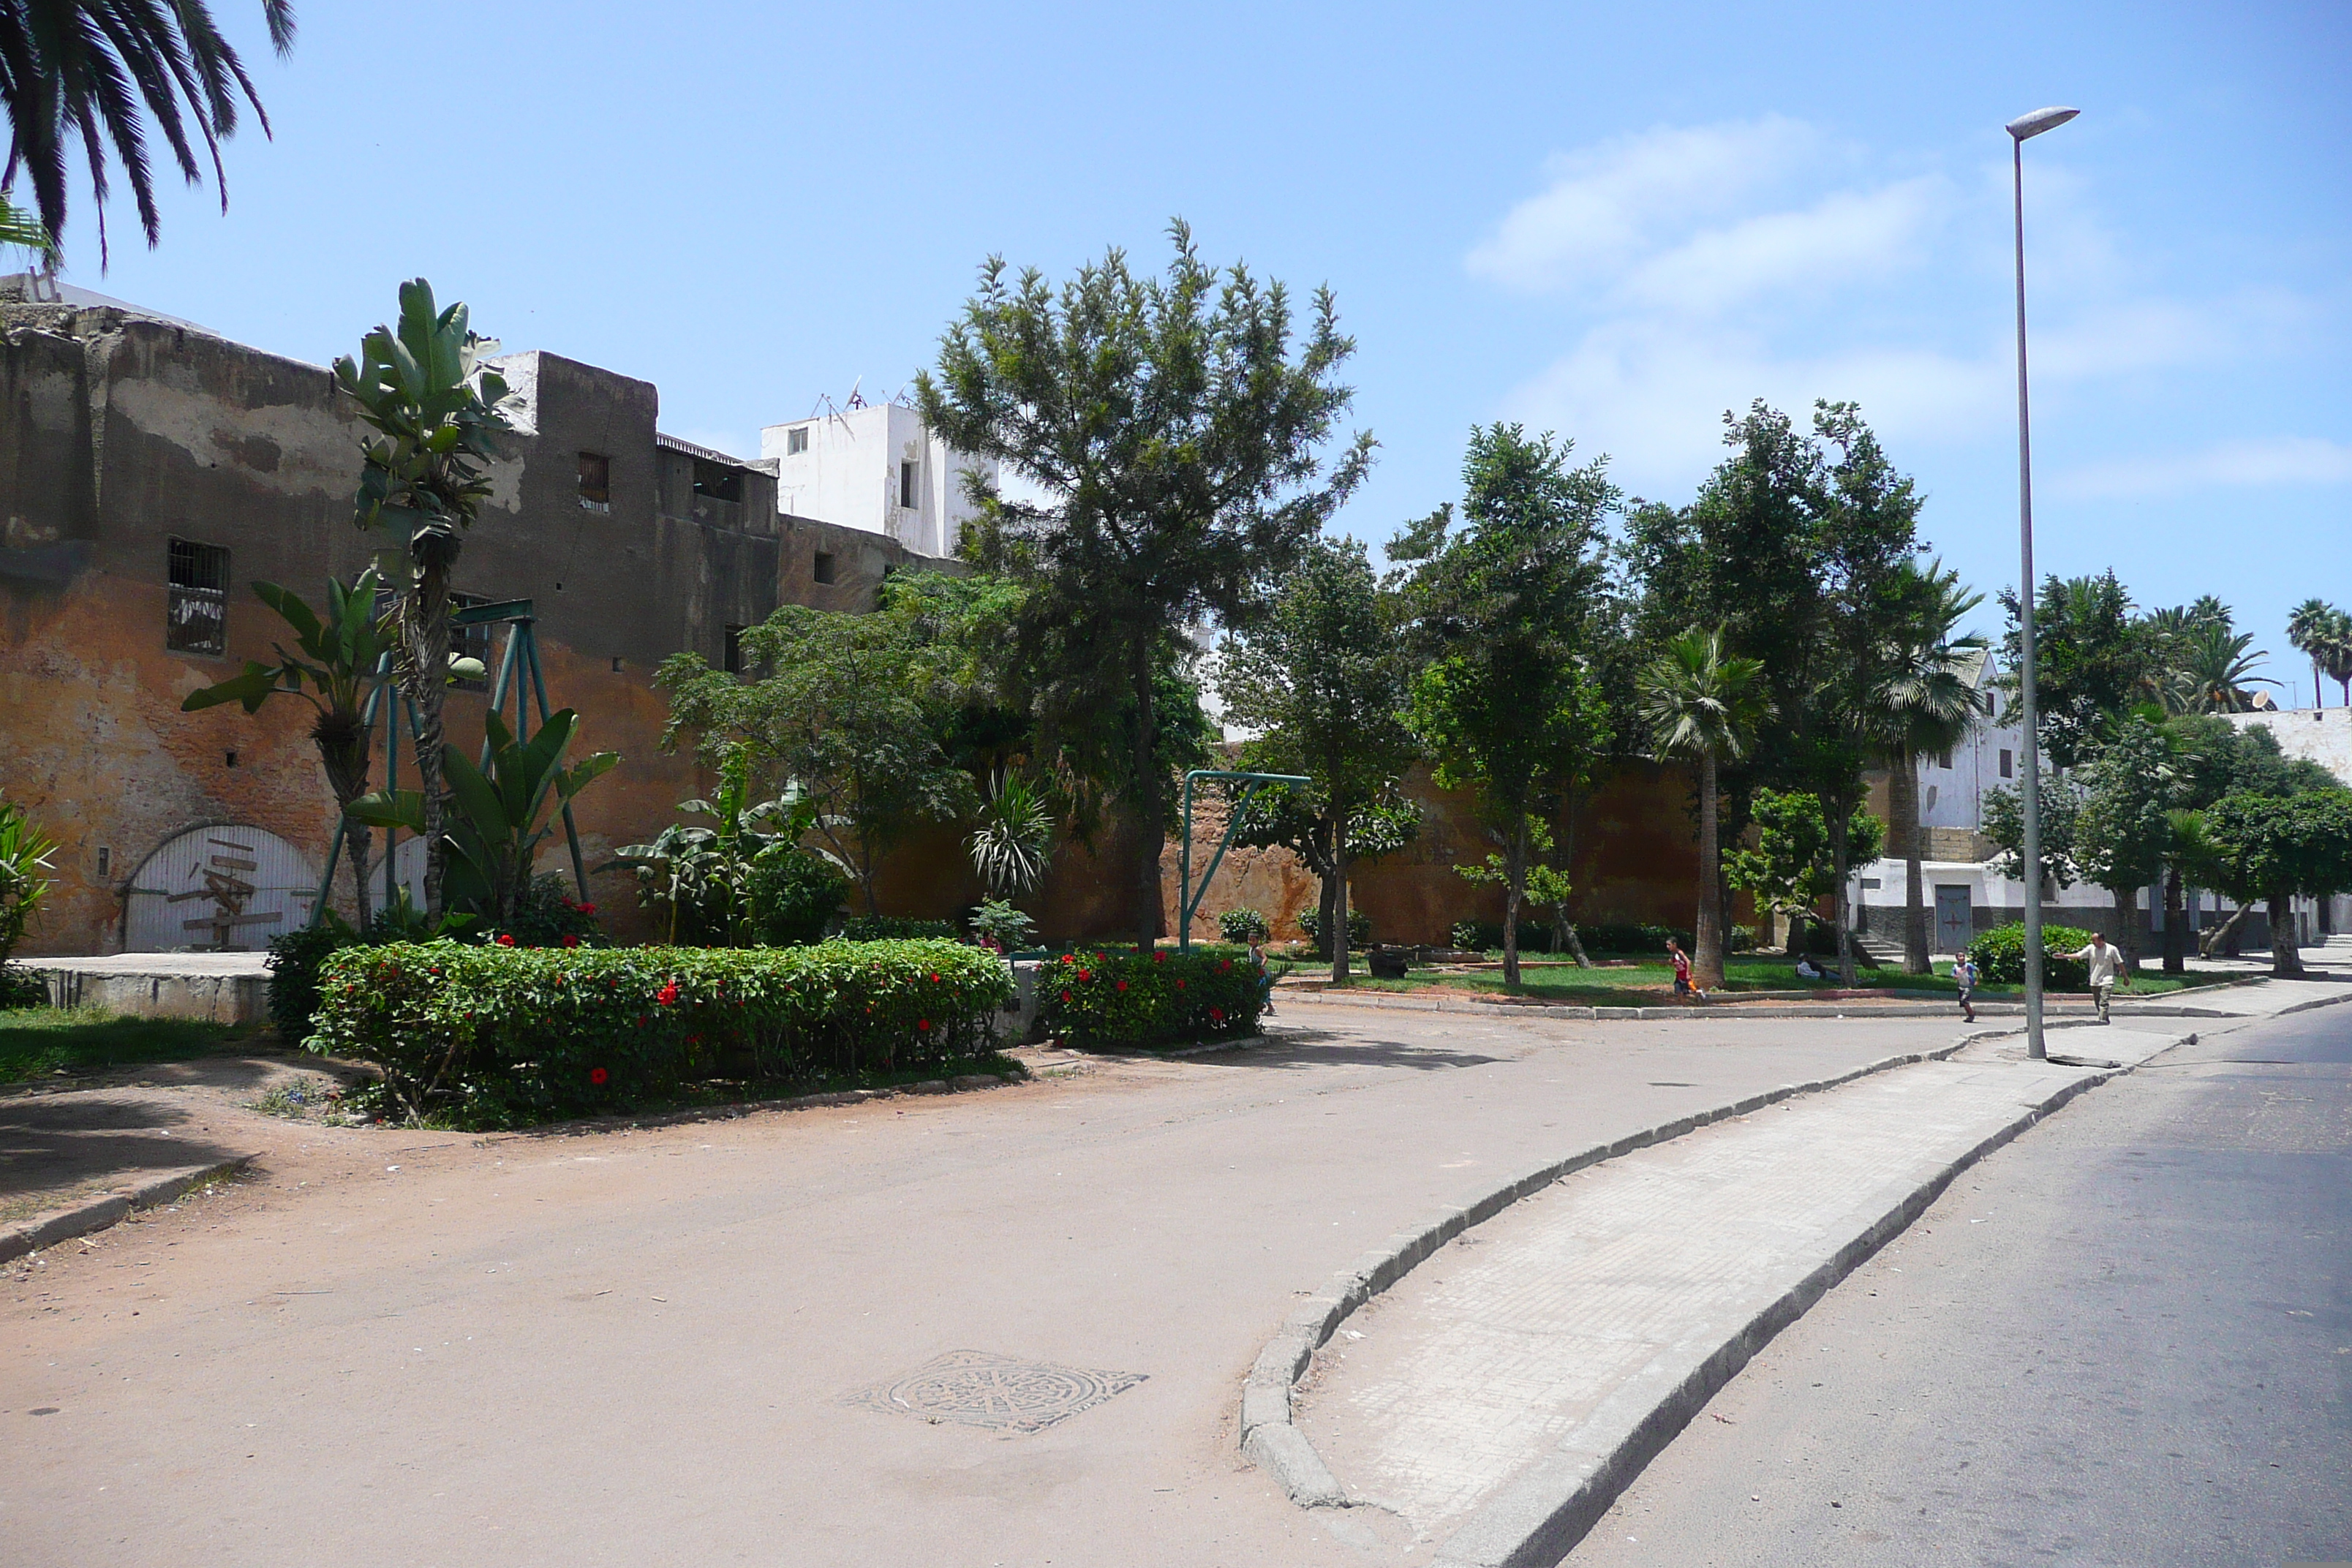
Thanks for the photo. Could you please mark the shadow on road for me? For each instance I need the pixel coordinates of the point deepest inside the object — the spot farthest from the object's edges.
(53, 1142)
(1318, 1047)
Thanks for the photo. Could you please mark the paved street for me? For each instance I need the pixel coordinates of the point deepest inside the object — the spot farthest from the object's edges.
(2125, 1339)
(669, 1346)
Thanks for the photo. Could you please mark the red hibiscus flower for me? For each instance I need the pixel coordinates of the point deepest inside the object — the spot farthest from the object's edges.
(1122, 985)
(1224, 966)
(935, 978)
(1066, 995)
(1158, 956)
(1088, 973)
(1180, 985)
(1217, 1014)
(585, 908)
(922, 1023)
(667, 994)
(505, 941)
(571, 942)
(597, 1075)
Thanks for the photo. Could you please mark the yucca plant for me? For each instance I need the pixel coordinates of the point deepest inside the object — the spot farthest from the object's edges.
(25, 852)
(1014, 844)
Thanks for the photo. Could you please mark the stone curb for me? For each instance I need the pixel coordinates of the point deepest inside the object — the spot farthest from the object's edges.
(97, 1214)
(1542, 1514)
(1274, 1444)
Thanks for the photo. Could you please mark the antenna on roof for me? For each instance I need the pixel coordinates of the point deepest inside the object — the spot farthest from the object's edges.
(856, 398)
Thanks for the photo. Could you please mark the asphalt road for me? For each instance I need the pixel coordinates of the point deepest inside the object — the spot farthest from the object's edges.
(2125, 1339)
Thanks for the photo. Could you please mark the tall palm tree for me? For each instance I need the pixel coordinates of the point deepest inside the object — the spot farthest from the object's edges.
(1921, 704)
(2336, 651)
(79, 71)
(2308, 626)
(18, 226)
(2215, 669)
(1704, 704)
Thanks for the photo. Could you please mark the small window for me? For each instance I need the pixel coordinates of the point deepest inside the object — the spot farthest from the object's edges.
(2008, 764)
(717, 481)
(595, 481)
(796, 441)
(824, 567)
(733, 655)
(1870, 881)
(105, 862)
(911, 496)
(195, 619)
(1944, 761)
(469, 642)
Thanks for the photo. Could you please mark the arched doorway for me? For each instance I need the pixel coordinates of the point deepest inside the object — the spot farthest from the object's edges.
(218, 889)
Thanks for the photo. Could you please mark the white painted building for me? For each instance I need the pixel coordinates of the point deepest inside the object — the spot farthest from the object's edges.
(876, 468)
(2322, 735)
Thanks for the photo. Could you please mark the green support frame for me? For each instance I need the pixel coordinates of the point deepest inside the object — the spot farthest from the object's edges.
(1188, 901)
(521, 658)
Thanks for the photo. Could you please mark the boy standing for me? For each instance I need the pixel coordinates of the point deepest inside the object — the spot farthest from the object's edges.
(1964, 982)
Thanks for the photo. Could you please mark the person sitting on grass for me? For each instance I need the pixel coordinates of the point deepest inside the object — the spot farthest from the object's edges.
(1808, 970)
(1683, 987)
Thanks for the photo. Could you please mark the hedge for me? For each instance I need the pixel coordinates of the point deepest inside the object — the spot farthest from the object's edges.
(1115, 999)
(500, 1036)
(1999, 955)
(894, 928)
(1536, 936)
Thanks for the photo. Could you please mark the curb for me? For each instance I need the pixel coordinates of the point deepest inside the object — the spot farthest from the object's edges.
(97, 1214)
(1270, 1440)
(1542, 1514)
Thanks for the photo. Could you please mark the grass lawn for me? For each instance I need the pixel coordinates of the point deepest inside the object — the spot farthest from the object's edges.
(37, 1042)
(1645, 981)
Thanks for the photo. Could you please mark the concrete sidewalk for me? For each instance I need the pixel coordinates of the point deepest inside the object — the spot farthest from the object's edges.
(1488, 1408)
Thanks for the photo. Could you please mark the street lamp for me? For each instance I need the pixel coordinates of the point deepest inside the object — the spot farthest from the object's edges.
(2023, 127)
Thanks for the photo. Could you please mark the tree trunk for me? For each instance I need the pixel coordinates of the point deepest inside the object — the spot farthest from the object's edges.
(2175, 935)
(424, 636)
(1515, 887)
(2222, 937)
(1568, 939)
(1150, 811)
(1707, 932)
(1335, 902)
(1799, 923)
(2286, 960)
(1841, 898)
(355, 845)
(1902, 809)
(2127, 926)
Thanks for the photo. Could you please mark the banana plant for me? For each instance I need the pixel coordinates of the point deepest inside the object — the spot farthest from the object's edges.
(706, 870)
(334, 668)
(498, 819)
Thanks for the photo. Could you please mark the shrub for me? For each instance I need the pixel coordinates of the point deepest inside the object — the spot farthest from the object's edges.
(1359, 928)
(1999, 955)
(22, 987)
(795, 896)
(997, 921)
(492, 1036)
(295, 959)
(895, 928)
(546, 915)
(1244, 926)
(1123, 999)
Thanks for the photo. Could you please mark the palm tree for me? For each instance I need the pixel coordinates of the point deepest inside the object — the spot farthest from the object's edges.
(1704, 704)
(18, 226)
(1923, 702)
(2308, 626)
(78, 71)
(2214, 671)
(2336, 651)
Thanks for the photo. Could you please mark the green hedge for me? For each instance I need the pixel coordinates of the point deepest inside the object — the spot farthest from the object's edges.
(895, 928)
(494, 1036)
(2001, 957)
(1097, 999)
(1536, 934)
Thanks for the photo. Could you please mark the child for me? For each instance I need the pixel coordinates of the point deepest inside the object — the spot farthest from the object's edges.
(1265, 975)
(1964, 983)
(1683, 987)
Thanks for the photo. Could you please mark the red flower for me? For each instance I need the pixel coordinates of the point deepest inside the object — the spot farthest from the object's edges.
(922, 1023)
(1224, 966)
(1180, 985)
(597, 1075)
(1066, 995)
(667, 994)
(505, 941)
(1122, 985)
(1217, 1014)
(935, 978)
(571, 942)
(1085, 974)
(585, 908)
(1158, 956)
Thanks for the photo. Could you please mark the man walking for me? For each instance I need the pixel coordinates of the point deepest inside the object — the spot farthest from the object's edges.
(2106, 961)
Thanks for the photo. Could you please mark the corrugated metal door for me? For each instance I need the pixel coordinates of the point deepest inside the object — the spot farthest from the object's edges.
(218, 889)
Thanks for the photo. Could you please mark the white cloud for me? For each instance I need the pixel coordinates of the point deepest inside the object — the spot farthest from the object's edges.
(1846, 236)
(1607, 204)
(2259, 460)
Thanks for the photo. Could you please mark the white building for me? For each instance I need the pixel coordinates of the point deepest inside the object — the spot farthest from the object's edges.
(876, 468)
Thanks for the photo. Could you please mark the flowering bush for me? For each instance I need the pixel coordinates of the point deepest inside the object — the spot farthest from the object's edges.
(2001, 957)
(1125, 999)
(502, 1034)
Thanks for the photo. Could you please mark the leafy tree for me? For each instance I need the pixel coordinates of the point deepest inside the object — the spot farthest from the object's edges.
(338, 656)
(2004, 823)
(2214, 757)
(2123, 831)
(1173, 425)
(79, 71)
(502, 815)
(2093, 659)
(1501, 611)
(1704, 704)
(846, 713)
(1322, 676)
(704, 875)
(2274, 848)
(1923, 703)
(1791, 869)
(433, 408)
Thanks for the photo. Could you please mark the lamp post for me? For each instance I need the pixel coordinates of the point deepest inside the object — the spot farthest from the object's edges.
(2020, 130)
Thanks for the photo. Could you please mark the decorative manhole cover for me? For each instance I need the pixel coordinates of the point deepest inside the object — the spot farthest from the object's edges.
(1002, 1393)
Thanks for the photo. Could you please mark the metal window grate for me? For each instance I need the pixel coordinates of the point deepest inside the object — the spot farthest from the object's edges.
(195, 618)
(595, 481)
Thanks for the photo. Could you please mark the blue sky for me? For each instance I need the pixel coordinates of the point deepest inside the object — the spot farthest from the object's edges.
(1614, 222)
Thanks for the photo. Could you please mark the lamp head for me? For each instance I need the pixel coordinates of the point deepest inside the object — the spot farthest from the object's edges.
(2026, 126)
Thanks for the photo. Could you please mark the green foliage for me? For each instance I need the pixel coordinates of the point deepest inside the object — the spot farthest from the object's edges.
(1243, 927)
(2268, 846)
(1791, 870)
(795, 896)
(1172, 426)
(1128, 999)
(2004, 823)
(998, 924)
(1999, 957)
(1620, 937)
(2092, 658)
(2123, 831)
(25, 855)
(21, 987)
(1360, 929)
(489, 1035)
(896, 928)
(1014, 841)
(2323, 634)
(502, 817)
(295, 959)
(702, 875)
(848, 710)
(39, 1041)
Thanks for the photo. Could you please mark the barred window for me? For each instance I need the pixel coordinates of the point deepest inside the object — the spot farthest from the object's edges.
(195, 619)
